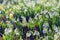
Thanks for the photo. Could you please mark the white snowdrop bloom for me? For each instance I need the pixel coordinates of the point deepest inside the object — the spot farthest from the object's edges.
(35, 17)
(46, 38)
(32, 22)
(9, 4)
(17, 19)
(41, 19)
(59, 4)
(3, 9)
(8, 23)
(36, 33)
(45, 25)
(18, 7)
(56, 36)
(38, 1)
(7, 16)
(25, 9)
(16, 31)
(30, 19)
(55, 28)
(37, 14)
(28, 34)
(21, 4)
(45, 11)
(48, 4)
(42, 12)
(54, 1)
(50, 30)
(50, 14)
(28, 4)
(23, 17)
(47, 16)
(44, 30)
(14, 7)
(24, 20)
(33, 4)
(24, 1)
(0, 11)
(8, 30)
(40, 16)
(53, 9)
(55, 13)
(13, 19)
(42, 2)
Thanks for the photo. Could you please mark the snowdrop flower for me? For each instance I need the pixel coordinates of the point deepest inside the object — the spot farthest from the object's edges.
(54, 9)
(8, 23)
(46, 16)
(16, 31)
(28, 34)
(50, 30)
(35, 17)
(31, 4)
(7, 16)
(46, 38)
(40, 16)
(17, 19)
(30, 19)
(57, 36)
(45, 25)
(28, 4)
(41, 19)
(9, 4)
(42, 2)
(18, 7)
(14, 7)
(25, 9)
(38, 1)
(55, 28)
(24, 20)
(55, 13)
(8, 30)
(59, 4)
(47, 4)
(36, 33)
(50, 14)
(0, 11)
(44, 30)
(44, 12)
(21, 4)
